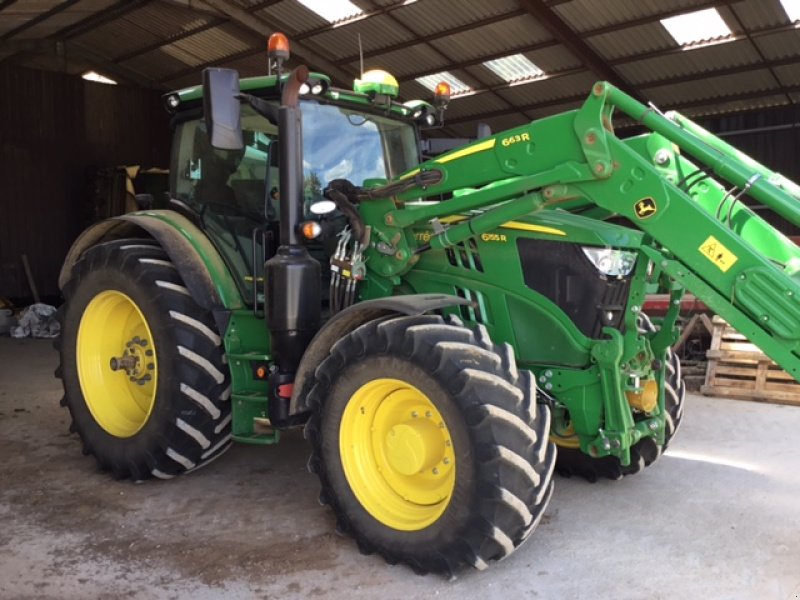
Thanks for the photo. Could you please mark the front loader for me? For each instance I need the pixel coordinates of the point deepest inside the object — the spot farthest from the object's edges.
(448, 332)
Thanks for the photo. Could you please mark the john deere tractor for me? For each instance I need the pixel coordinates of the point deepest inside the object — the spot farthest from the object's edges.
(449, 332)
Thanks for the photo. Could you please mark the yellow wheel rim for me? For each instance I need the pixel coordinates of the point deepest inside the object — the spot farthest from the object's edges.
(117, 366)
(566, 438)
(397, 454)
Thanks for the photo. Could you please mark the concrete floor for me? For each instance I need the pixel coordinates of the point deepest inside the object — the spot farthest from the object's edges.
(718, 517)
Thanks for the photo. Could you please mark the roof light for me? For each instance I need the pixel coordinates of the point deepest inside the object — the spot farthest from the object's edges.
(457, 87)
(792, 8)
(441, 93)
(278, 46)
(333, 10)
(97, 78)
(696, 27)
(512, 68)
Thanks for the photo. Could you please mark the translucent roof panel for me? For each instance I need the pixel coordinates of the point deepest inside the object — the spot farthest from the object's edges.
(792, 8)
(332, 10)
(514, 68)
(696, 27)
(457, 87)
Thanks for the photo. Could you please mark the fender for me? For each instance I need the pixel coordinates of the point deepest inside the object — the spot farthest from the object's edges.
(348, 320)
(206, 276)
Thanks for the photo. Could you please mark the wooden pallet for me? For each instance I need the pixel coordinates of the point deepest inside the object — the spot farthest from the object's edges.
(738, 369)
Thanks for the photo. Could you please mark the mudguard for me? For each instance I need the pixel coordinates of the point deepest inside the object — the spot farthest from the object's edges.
(205, 274)
(348, 320)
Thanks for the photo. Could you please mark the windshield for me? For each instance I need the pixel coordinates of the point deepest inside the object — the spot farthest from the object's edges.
(342, 144)
(227, 190)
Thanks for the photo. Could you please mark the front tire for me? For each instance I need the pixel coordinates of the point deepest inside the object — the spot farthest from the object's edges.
(429, 444)
(142, 364)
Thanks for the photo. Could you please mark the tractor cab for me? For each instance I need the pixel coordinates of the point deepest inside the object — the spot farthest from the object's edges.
(234, 194)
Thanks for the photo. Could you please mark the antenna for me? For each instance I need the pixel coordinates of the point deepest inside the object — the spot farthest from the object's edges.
(361, 55)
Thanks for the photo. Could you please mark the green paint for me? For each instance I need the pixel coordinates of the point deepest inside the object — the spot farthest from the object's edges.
(247, 344)
(220, 275)
(557, 179)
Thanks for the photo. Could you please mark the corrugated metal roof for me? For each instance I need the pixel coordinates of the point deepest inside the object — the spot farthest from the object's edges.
(171, 41)
(293, 16)
(697, 60)
(427, 18)
(411, 61)
(548, 90)
(377, 32)
(585, 15)
(492, 39)
(757, 15)
(23, 12)
(789, 75)
(780, 45)
(631, 42)
(711, 87)
(210, 45)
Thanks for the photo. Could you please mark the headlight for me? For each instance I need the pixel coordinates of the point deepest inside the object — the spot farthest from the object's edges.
(614, 263)
(172, 101)
(304, 89)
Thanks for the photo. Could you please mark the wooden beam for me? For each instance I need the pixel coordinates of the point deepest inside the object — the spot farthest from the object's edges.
(431, 37)
(214, 22)
(254, 23)
(561, 31)
(758, 51)
(577, 98)
(38, 19)
(551, 43)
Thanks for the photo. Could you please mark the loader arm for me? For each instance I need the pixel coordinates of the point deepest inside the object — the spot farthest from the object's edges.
(699, 232)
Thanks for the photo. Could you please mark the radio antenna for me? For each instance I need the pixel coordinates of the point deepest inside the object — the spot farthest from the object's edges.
(361, 55)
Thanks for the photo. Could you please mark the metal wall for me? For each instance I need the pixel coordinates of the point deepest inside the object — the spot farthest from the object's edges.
(53, 128)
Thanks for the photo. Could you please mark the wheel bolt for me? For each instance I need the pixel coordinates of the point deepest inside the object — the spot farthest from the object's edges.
(414, 414)
(428, 414)
(446, 461)
(435, 471)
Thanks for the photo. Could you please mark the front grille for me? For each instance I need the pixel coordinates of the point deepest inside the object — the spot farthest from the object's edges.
(561, 272)
(465, 255)
(476, 311)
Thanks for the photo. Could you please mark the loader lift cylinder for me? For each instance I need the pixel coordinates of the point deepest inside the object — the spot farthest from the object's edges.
(292, 276)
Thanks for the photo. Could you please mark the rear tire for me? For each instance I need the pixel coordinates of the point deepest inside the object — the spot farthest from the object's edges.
(179, 418)
(487, 439)
(571, 461)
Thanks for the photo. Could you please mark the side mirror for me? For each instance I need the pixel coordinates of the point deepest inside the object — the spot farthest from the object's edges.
(222, 108)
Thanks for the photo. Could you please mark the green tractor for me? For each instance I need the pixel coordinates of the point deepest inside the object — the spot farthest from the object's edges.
(449, 332)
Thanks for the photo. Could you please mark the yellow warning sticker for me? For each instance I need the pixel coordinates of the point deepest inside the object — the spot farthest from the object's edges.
(714, 251)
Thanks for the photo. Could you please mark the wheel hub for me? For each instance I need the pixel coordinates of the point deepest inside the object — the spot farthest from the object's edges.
(136, 361)
(414, 447)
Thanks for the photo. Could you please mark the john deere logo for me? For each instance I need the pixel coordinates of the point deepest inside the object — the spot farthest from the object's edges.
(644, 208)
